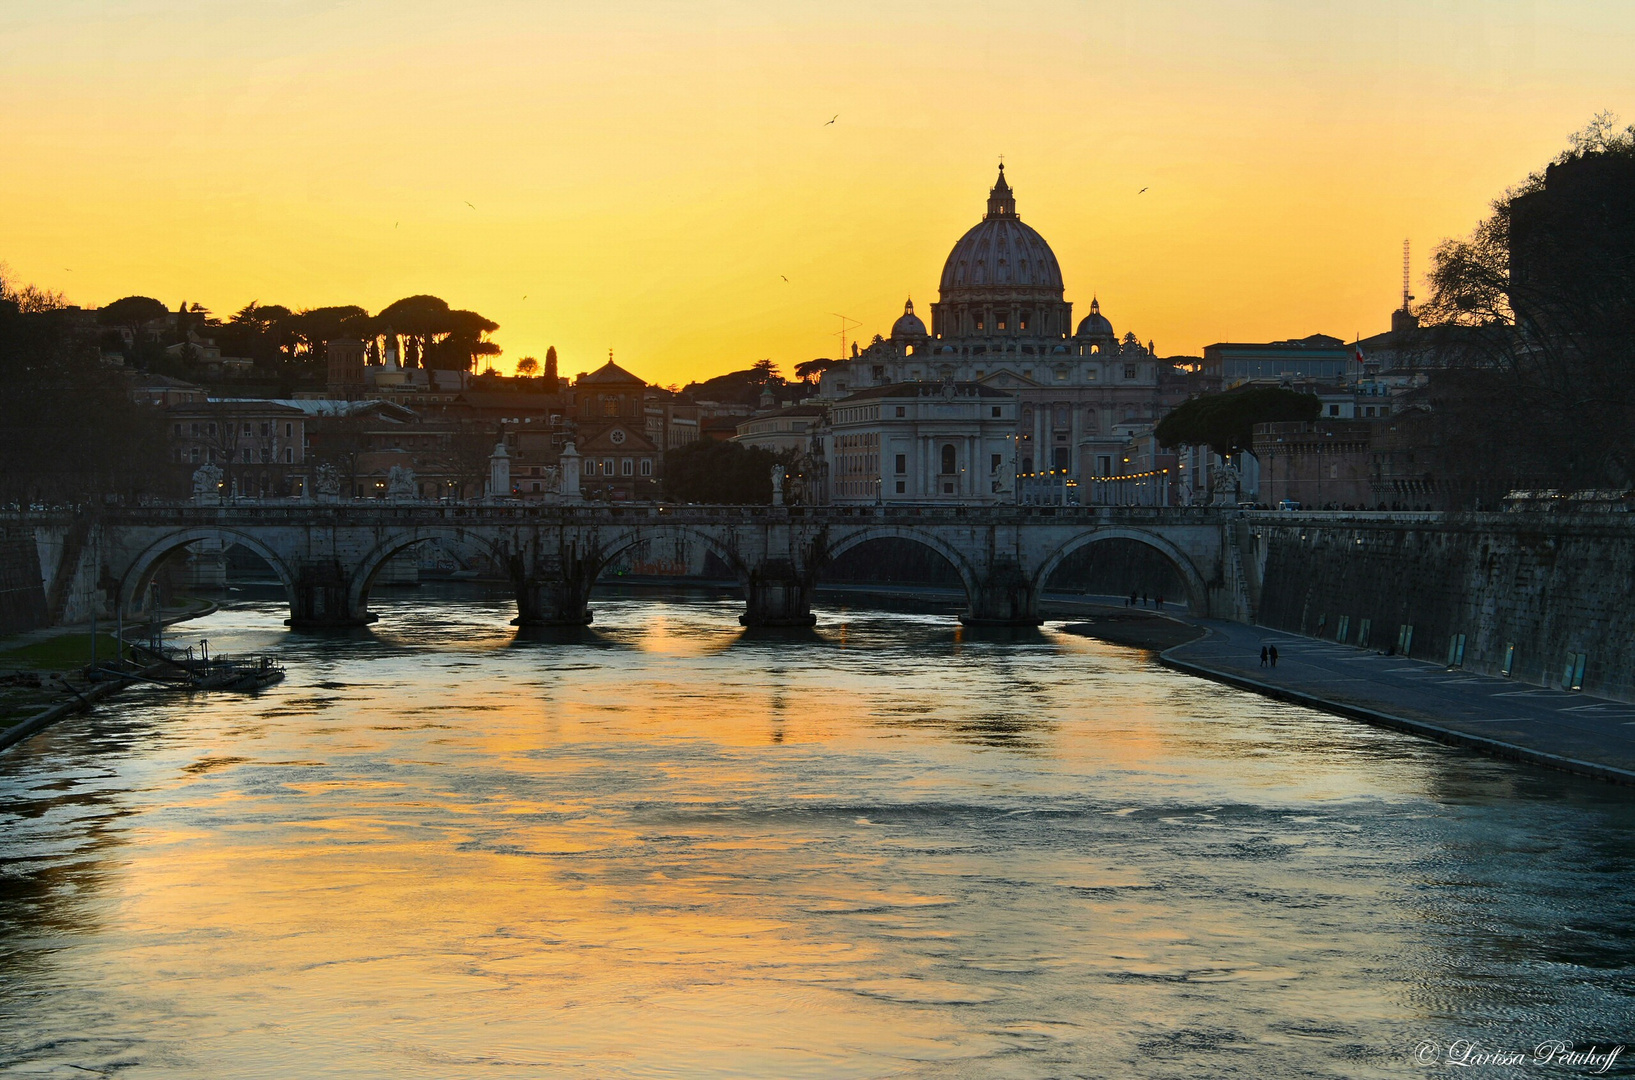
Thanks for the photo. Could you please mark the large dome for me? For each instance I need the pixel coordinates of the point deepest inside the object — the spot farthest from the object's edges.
(1000, 254)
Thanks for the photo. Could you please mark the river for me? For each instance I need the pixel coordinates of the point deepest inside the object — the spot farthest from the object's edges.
(667, 847)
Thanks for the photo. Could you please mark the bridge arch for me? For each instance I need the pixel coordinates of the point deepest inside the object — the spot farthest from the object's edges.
(926, 537)
(363, 577)
(136, 577)
(1193, 581)
(617, 542)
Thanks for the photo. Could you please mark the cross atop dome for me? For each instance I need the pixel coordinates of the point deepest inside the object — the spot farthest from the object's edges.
(1001, 203)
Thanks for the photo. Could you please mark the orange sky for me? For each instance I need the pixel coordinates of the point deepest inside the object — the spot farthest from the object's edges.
(642, 176)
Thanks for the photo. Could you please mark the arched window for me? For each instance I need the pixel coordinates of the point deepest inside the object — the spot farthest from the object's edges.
(948, 460)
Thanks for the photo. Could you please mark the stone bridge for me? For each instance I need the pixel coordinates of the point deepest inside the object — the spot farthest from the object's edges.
(328, 555)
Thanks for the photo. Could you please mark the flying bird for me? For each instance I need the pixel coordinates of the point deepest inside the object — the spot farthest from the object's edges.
(1142, 191)
(833, 119)
(468, 203)
(786, 279)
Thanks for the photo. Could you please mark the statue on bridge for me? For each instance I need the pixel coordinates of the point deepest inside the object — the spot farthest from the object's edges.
(207, 482)
(400, 483)
(1225, 484)
(327, 482)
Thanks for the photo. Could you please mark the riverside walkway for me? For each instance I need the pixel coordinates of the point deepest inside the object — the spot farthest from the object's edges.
(1560, 729)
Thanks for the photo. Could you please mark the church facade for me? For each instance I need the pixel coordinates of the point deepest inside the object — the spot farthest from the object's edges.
(1002, 320)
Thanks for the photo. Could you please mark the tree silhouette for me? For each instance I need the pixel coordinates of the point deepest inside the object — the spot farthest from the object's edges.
(1536, 307)
(528, 367)
(1226, 422)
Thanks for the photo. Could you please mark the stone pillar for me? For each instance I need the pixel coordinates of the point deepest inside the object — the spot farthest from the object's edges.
(777, 595)
(571, 469)
(499, 472)
(1004, 596)
(321, 599)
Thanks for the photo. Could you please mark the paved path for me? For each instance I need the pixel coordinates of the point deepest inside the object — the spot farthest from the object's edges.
(1571, 731)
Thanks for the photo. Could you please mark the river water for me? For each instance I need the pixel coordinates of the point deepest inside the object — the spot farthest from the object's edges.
(665, 847)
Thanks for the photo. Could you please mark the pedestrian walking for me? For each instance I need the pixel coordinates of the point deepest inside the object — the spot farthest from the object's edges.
(1160, 604)
(1143, 599)
(1272, 652)
(1263, 656)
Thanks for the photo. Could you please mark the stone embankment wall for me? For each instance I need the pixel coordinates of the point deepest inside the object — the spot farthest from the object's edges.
(1555, 586)
(22, 591)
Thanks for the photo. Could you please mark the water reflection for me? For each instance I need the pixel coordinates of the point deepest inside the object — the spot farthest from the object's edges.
(668, 847)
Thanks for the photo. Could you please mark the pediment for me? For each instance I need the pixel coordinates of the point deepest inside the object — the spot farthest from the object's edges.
(1005, 378)
(617, 439)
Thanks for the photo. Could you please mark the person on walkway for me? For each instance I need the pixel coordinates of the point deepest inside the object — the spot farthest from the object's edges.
(1160, 604)
(1263, 656)
(1272, 651)
(1143, 599)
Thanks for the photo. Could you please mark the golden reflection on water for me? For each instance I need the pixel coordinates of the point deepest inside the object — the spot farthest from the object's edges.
(664, 847)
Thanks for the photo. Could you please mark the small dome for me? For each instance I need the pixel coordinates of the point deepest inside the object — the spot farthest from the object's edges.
(1095, 324)
(909, 326)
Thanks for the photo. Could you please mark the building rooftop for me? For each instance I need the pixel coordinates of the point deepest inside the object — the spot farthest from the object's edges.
(927, 390)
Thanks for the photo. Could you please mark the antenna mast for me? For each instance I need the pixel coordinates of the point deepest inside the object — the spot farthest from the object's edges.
(847, 324)
(1406, 295)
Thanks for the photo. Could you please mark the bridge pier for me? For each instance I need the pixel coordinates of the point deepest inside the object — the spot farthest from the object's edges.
(1004, 596)
(553, 590)
(553, 602)
(777, 595)
(320, 599)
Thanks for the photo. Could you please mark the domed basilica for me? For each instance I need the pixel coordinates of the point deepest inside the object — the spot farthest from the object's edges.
(1001, 321)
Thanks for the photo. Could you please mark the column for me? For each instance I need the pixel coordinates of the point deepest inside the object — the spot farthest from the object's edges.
(1073, 443)
(1039, 428)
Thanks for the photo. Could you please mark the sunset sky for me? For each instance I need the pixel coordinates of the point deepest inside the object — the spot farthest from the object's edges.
(643, 176)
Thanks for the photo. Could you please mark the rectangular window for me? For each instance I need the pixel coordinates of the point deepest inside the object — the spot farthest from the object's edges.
(289, 455)
(1129, 371)
(996, 412)
(607, 466)
(246, 427)
(289, 431)
(590, 466)
(193, 455)
(195, 431)
(993, 463)
(212, 428)
(178, 429)
(902, 463)
(902, 487)
(1090, 375)
(1334, 410)
(647, 466)
(245, 454)
(902, 410)
(627, 467)
(266, 428)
